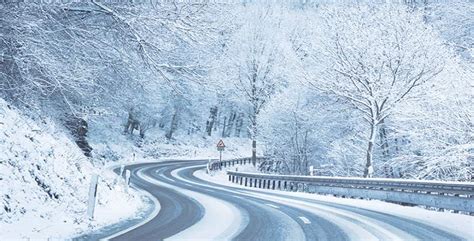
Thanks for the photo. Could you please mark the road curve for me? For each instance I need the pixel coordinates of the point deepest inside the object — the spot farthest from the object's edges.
(261, 216)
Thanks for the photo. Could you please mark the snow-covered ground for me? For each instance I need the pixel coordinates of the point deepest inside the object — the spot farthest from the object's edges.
(460, 224)
(45, 178)
(110, 144)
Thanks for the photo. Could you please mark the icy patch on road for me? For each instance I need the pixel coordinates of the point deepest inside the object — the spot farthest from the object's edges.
(458, 224)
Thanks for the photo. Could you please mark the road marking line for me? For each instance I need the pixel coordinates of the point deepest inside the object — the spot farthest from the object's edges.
(169, 179)
(271, 205)
(305, 220)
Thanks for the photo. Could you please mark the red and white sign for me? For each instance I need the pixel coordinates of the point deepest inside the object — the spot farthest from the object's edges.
(220, 144)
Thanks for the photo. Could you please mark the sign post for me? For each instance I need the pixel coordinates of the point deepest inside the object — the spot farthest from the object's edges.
(220, 148)
(92, 196)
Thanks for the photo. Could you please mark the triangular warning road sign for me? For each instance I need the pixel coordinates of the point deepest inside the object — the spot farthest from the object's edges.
(220, 144)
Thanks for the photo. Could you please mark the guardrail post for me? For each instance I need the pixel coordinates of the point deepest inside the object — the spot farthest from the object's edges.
(245, 182)
(229, 178)
(268, 184)
(273, 186)
(240, 180)
(456, 195)
(441, 209)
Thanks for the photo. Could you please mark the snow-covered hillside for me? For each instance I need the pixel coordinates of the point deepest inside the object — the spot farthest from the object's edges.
(45, 178)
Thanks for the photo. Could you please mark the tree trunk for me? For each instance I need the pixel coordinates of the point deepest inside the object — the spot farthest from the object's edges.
(368, 172)
(383, 140)
(211, 121)
(385, 149)
(254, 139)
(230, 124)
(173, 126)
(238, 125)
(254, 152)
(79, 128)
(223, 126)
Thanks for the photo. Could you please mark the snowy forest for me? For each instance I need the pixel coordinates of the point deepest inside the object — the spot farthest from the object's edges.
(352, 88)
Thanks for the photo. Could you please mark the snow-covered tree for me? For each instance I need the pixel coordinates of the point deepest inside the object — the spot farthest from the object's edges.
(431, 135)
(259, 60)
(300, 128)
(374, 57)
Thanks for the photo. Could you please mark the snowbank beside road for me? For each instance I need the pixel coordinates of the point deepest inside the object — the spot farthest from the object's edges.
(44, 180)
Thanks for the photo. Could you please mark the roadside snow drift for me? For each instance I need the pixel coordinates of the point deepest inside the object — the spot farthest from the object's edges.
(44, 179)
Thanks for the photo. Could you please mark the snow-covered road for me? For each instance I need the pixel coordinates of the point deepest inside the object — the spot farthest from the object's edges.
(196, 206)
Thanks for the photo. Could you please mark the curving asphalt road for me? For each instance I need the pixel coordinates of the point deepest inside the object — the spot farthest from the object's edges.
(261, 216)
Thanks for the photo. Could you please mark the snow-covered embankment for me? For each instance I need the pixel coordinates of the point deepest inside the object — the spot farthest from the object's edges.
(44, 180)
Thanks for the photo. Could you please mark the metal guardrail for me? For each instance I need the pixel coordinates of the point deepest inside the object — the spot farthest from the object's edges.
(216, 165)
(457, 196)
